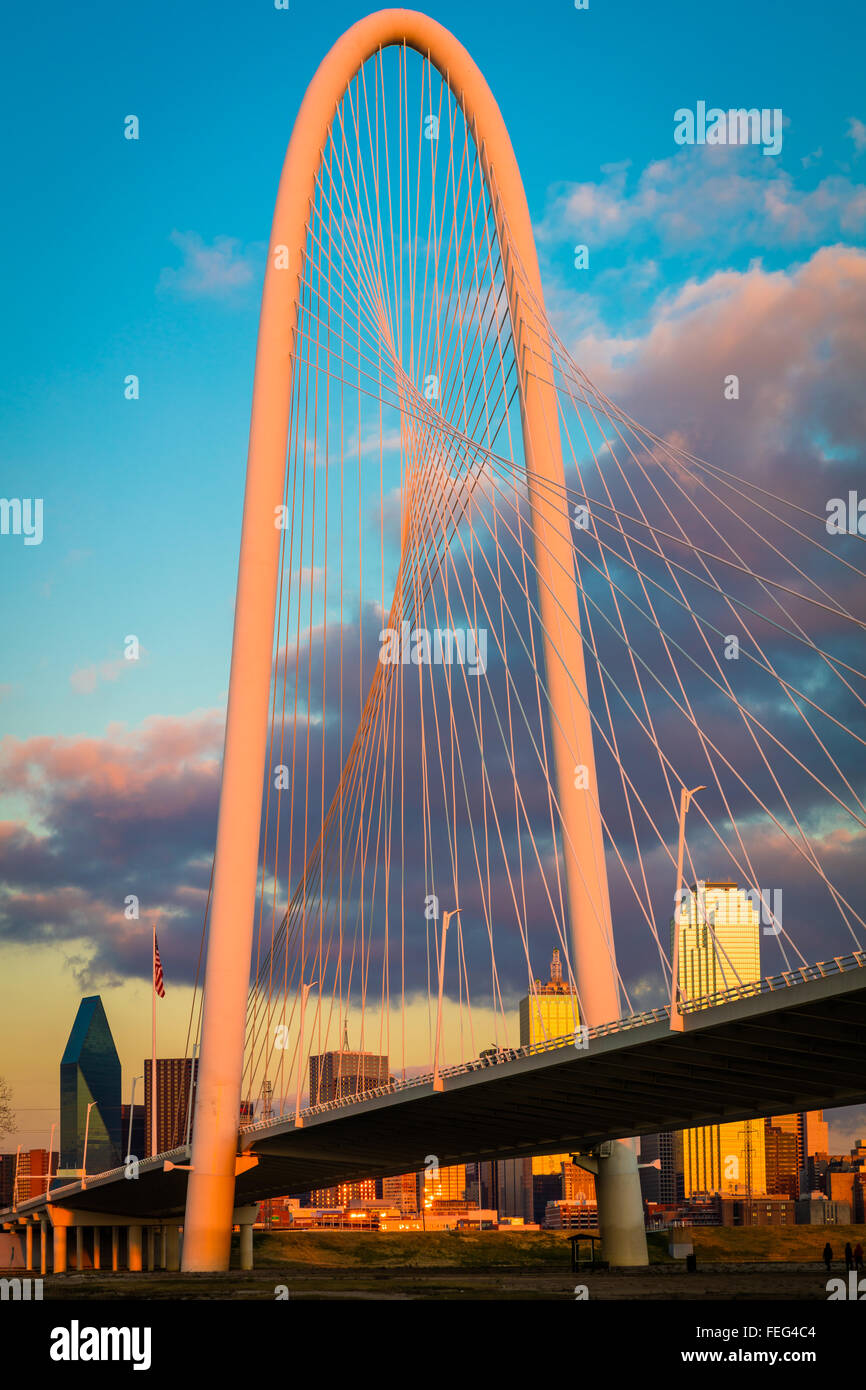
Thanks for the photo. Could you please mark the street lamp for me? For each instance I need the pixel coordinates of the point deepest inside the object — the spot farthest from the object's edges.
(50, 1159)
(305, 989)
(90, 1106)
(676, 992)
(131, 1113)
(446, 918)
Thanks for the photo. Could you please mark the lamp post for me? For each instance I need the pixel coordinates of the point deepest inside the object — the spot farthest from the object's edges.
(446, 918)
(131, 1114)
(90, 1106)
(676, 992)
(50, 1158)
(305, 989)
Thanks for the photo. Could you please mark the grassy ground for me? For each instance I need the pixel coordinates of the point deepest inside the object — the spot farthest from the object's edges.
(796, 1244)
(411, 1250)
(750, 1265)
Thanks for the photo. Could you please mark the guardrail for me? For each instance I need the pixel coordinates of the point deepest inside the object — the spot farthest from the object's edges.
(856, 960)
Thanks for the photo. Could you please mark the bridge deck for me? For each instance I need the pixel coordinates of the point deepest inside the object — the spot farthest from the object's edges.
(800, 1048)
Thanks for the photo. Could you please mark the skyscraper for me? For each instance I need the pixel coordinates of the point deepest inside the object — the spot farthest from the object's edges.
(720, 939)
(443, 1184)
(548, 1011)
(345, 1073)
(174, 1076)
(90, 1076)
(659, 1184)
(808, 1132)
(720, 948)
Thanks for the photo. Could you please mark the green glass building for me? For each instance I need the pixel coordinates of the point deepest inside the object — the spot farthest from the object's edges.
(90, 1072)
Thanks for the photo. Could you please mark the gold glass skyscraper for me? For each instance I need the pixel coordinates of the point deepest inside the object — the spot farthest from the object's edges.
(550, 1011)
(720, 948)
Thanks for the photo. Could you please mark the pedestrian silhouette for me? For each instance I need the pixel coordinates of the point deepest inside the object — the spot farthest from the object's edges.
(849, 1256)
(858, 1257)
(828, 1255)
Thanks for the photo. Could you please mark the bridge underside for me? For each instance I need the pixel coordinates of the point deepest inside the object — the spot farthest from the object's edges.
(734, 1062)
(737, 1061)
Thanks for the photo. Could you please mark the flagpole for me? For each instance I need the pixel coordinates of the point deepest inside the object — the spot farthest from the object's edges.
(153, 1053)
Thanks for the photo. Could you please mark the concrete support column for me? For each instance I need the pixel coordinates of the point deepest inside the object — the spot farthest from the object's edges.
(151, 1248)
(620, 1205)
(59, 1260)
(79, 1248)
(134, 1259)
(97, 1251)
(43, 1247)
(172, 1247)
(247, 1245)
(28, 1245)
(115, 1249)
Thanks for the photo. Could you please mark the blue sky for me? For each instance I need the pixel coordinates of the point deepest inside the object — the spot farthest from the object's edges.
(142, 499)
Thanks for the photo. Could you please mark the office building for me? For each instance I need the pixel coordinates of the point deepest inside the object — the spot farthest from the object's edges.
(7, 1179)
(810, 1133)
(133, 1136)
(443, 1186)
(817, 1210)
(90, 1083)
(660, 1175)
(782, 1158)
(334, 1075)
(766, 1210)
(548, 1011)
(720, 949)
(343, 1193)
(174, 1077)
(35, 1167)
(401, 1192)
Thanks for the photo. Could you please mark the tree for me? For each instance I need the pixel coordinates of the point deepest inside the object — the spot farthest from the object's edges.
(7, 1114)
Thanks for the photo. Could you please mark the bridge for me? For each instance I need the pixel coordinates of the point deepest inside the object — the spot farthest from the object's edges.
(790, 1043)
(497, 646)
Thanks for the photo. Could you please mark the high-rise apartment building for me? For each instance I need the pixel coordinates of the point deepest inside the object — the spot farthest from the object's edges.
(720, 949)
(90, 1084)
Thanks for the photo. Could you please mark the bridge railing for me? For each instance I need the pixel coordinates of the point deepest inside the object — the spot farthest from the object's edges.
(824, 969)
(581, 1038)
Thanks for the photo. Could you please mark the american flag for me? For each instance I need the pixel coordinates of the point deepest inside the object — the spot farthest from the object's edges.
(158, 984)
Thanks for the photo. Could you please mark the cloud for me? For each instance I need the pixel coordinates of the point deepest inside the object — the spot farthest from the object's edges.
(210, 271)
(85, 679)
(721, 198)
(857, 132)
(130, 813)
